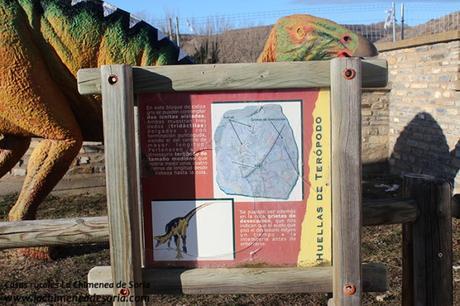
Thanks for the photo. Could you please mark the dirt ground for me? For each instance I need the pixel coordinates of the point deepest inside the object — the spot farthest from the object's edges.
(18, 274)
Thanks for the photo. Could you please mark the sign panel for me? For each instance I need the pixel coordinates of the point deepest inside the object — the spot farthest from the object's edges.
(236, 179)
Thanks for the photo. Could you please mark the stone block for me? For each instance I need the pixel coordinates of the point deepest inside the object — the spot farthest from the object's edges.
(18, 172)
(84, 160)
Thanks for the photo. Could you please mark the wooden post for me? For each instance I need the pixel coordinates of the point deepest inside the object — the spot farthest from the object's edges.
(137, 138)
(427, 243)
(122, 198)
(346, 180)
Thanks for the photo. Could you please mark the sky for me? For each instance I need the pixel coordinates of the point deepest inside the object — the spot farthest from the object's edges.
(257, 12)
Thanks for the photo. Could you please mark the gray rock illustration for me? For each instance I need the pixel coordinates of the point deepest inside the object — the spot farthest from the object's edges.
(256, 153)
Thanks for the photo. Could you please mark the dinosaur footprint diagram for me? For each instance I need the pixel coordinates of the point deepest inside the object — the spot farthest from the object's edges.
(257, 150)
(187, 230)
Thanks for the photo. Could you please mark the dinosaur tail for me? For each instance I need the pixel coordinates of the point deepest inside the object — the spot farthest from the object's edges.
(193, 211)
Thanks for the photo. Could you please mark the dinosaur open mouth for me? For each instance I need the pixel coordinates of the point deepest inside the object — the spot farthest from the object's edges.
(343, 54)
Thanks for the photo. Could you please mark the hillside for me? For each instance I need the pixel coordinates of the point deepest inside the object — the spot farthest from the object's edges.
(245, 45)
(232, 46)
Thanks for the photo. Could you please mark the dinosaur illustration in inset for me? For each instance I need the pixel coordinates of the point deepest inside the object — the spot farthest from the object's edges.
(43, 43)
(177, 229)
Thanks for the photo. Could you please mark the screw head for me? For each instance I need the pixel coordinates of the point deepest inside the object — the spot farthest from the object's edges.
(113, 79)
(349, 289)
(349, 73)
(124, 292)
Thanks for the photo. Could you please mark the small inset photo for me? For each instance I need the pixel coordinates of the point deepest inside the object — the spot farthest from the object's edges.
(189, 230)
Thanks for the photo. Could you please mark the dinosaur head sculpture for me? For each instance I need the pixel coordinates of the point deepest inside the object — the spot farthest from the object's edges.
(308, 38)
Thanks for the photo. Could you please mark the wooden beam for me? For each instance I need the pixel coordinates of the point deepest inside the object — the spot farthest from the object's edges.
(32, 233)
(346, 174)
(121, 178)
(238, 280)
(389, 211)
(234, 77)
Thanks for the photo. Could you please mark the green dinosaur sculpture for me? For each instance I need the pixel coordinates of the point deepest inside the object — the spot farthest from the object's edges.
(309, 38)
(43, 43)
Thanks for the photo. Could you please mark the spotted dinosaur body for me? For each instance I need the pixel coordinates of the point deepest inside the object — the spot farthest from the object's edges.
(43, 43)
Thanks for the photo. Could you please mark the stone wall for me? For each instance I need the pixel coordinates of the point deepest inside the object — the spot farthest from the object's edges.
(424, 108)
(375, 127)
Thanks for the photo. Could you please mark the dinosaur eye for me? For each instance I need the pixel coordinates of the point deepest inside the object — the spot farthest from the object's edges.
(346, 38)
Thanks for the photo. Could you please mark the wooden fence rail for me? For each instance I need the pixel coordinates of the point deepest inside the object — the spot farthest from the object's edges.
(34, 233)
(241, 280)
(235, 76)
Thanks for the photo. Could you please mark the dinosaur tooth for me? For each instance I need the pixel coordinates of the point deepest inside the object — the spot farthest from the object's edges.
(133, 20)
(108, 9)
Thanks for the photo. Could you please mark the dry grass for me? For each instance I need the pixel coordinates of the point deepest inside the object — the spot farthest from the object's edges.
(380, 244)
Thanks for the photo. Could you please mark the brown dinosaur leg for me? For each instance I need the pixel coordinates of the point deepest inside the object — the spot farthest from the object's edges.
(12, 148)
(47, 165)
(32, 103)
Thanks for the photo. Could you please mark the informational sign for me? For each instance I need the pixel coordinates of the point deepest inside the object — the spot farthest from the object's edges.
(236, 178)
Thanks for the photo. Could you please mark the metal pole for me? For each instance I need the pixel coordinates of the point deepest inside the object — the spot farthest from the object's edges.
(393, 17)
(402, 21)
(170, 32)
(177, 32)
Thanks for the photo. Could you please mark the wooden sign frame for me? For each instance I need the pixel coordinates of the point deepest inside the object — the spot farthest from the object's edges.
(345, 77)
